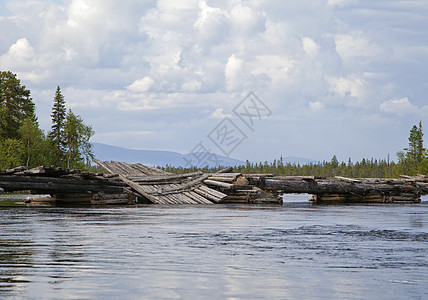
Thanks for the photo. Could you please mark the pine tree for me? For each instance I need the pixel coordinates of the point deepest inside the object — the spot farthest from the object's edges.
(56, 135)
(16, 105)
(415, 153)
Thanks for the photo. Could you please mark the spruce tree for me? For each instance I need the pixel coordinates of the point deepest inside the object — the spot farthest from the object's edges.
(16, 105)
(56, 135)
(415, 153)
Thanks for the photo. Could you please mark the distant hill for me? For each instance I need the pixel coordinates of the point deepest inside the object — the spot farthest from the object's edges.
(105, 152)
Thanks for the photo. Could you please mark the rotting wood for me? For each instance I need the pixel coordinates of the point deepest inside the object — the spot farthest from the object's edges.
(350, 180)
(218, 183)
(223, 179)
(139, 189)
(163, 178)
(48, 184)
(225, 170)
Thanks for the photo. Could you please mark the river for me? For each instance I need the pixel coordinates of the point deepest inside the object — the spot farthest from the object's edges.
(294, 251)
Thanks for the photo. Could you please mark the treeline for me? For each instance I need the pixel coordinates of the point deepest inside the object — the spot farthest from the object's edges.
(23, 143)
(412, 160)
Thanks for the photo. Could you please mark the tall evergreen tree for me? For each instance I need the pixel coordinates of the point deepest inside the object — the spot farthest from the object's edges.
(415, 153)
(56, 135)
(16, 105)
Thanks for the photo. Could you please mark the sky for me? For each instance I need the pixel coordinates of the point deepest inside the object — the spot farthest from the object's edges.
(248, 79)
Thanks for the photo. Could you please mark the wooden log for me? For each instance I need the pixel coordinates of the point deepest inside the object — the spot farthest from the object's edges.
(351, 180)
(160, 178)
(223, 179)
(140, 190)
(48, 184)
(231, 175)
(226, 170)
(234, 201)
(246, 197)
(197, 198)
(218, 183)
(257, 175)
(208, 194)
(333, 187)
(298, 177)
(40, 199)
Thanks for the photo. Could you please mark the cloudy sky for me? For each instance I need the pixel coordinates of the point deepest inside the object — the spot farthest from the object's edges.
(343, 77)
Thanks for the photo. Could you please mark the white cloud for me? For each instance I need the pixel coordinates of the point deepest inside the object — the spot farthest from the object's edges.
(219, 114)
(316, 105)
(232, 71)
(340, 3)
(176, 60)
(276, 67)
(212, 23)
(191, 86)
(310, 46)
(356, 46)
(141, 85)
(21, 49)
(398, 106)
(353, 89)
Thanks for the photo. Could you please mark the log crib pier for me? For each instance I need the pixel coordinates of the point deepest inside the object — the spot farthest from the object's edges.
(136, 183)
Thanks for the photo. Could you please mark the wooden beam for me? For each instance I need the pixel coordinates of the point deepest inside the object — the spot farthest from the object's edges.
(139, 189)
(226, 170)
(161, 178)
(218, 183)
(350, 180)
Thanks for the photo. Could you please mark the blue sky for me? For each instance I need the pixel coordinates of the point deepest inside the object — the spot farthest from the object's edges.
(340, 77)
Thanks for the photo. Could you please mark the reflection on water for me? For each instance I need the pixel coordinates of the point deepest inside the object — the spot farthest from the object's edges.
(297, 250)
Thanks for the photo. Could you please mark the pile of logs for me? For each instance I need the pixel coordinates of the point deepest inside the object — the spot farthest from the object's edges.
(238, 189)
(65, 186)
(132, 183)
(406, 190)
(157, 186)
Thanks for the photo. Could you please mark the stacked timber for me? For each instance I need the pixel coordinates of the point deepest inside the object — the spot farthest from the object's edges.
(157, 186)
(349, 189)
(63, 185)
(237, 188)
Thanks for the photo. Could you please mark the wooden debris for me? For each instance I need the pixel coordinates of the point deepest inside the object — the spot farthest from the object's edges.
(225, 170)
(160, 187)
(350, 180)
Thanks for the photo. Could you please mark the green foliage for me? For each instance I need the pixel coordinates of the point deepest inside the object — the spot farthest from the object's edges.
(365, 168)
(11, 153)
(34, 143)
(16, 105)
(56, 135)
(23, 143)
(76, 137)
(414, 160)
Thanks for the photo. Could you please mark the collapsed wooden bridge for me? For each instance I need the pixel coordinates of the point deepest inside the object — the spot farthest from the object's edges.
(136, 183)
(160, 187)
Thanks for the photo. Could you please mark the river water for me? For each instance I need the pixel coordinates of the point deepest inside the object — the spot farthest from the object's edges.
(294, 251)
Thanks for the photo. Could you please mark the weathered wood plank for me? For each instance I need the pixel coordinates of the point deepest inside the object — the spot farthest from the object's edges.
(226, 170)
(163, 178)
(351, 180)
(218, 183)
(139, 189)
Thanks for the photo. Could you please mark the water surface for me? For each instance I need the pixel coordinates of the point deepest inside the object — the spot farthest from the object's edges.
(294, 251)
